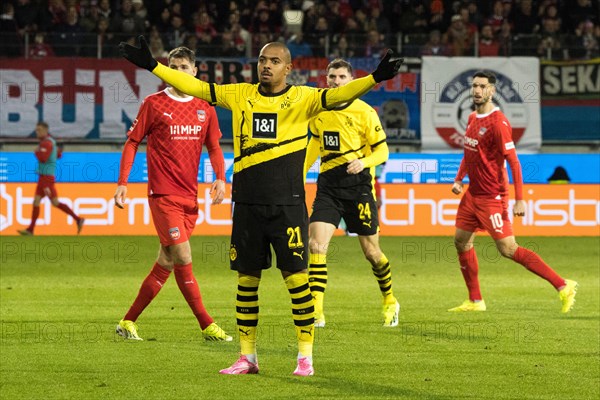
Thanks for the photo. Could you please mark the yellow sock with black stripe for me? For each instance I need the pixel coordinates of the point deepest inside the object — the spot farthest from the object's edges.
(302, 311)
(383, 274)
(246, 312)
(317, 279)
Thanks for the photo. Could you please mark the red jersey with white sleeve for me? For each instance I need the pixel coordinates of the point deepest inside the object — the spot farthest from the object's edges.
(176, 128)
(488, 143)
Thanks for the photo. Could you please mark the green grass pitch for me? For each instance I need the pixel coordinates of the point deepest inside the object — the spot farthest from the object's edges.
(61, 297)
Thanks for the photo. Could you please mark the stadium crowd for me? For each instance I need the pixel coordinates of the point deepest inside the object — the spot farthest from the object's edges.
(552, 29)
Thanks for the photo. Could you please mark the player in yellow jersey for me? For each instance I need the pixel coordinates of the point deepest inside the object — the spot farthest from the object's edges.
(270, 125)
(350, 141)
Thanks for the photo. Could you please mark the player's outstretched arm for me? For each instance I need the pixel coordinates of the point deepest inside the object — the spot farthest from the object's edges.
(387, 69)
(142, 57)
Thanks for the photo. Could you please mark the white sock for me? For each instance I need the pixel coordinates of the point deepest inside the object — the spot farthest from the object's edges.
(251, 358)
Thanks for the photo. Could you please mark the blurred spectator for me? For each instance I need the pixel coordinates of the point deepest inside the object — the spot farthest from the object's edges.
(497, 17)
(466, 18)
(39, 48)
(435, 47)
(57, 11)
(507, 9)
(103, 43)
(228, 46)
(67, 38)
(374, 46)
(89, 20)
(28, 16)
(457, 37)
(415, 19)
(525, 21)
(585, 43)
(298, 47)
(488, 46)
(319, 36)
(505, 40)
(140, 10)
(241, 39)
(474, 14)
(126, 21)
(550, 46)
(10, 41)
(341, 49)
(205, 32)
(334, 18)
(176, 35)
(164, 20)
(156, 44)
(104, 9)
(582, 10)
(192, 43)
(436, 19)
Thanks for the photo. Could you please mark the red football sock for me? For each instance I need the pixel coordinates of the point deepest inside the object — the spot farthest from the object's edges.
(535, 264)
(191, 291)
(148, 291)
(34, 216)
(65, 208)
(470, 271)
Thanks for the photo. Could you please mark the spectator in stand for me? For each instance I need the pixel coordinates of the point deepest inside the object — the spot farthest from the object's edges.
(525, 21)
(505, 40)
(205, 31)
(380, 23)
(497, 16)
(580, 11)
(177, 33)
(466, 18)
(102, 43)
(585, 44)
(355, 36)
(414, 20)
(10, 44)
(241, 38)
(298, 47)
(457, 38)
(318, 36)
(156, 44)
(488, 46)
(474, 14)
(89, 20)
(28, 16)
(507, 9)
(341, 49)
(67, 40)
(126, 21)
(39, 48)
(435, 47)
(57, 11)
(229, 47)
(163, 24)
(104, 9)
(334, 18)
(374, 46)
(436, 19)
(139, 9)
(550, 46)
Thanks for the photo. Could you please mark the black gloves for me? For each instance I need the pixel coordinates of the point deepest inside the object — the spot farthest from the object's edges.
(387, 68)
(140, 56)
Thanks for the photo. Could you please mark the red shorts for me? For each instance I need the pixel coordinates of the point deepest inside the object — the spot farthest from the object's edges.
(45, 187)
(174, 217)
(477, 214)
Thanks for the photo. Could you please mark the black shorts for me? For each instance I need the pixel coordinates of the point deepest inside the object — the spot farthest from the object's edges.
(360, 214)
(258, 227)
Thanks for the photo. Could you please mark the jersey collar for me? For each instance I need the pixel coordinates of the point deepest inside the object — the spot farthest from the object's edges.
(262, 93)
(485, 115)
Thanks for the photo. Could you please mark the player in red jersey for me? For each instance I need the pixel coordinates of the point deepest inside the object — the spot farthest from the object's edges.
(47, 153)
(175, 125)
(484, 206)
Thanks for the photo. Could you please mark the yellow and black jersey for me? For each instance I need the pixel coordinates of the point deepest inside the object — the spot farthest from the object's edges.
(270, 131)
(343, 134)
(270, 134)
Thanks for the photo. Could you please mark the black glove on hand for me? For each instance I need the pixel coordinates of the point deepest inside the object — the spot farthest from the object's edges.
(387, 68)
(140, 56)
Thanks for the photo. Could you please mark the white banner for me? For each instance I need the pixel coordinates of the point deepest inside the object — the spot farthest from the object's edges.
(446, 99)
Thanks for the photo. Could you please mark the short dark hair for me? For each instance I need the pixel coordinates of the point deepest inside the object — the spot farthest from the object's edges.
(183, 52)
(491, 77)
(43, 124)
(340, 63)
